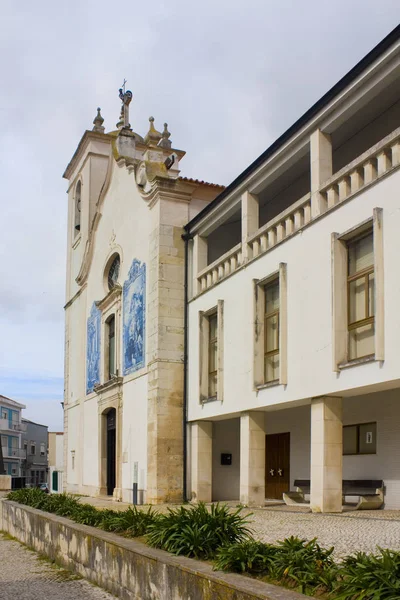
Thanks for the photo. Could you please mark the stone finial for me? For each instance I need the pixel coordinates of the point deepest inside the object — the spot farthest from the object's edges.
(98, 122)
(153, 136)
(165, 141)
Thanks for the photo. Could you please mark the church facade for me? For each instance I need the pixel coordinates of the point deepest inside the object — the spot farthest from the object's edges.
(124, 327)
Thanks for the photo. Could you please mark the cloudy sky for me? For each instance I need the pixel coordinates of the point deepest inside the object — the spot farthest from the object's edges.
(228, 76)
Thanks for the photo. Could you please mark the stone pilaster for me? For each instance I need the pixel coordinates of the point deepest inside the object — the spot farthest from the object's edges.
(252, 458)
(202, 461)
(326, 454)
(321, 169)
(165, 320)
(250, 220)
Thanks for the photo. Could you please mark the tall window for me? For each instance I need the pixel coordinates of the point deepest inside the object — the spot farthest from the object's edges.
(111, 347)
(212, 355)
(77, 227)
(360, 297)
(271, 332)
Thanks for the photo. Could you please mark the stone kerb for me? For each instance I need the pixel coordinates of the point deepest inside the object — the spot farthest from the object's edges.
(128, 568)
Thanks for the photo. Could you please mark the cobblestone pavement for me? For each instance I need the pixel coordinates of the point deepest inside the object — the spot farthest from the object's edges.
(347, 532)
(23, 575)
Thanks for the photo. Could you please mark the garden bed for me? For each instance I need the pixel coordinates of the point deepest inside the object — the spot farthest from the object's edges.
(221, 536)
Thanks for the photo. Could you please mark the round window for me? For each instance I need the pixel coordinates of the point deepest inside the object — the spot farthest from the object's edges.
(113, 273)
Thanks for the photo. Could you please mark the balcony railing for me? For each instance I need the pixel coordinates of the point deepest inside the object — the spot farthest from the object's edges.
(7, 425)
(280, 227)
(364, 170)
(13, 452)
(220, 268)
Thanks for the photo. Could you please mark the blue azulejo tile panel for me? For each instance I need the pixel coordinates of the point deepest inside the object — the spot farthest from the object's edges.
(134, 318)
(93, 349)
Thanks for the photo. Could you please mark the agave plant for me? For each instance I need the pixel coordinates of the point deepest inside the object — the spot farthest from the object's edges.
(249, 556)
(196, 531)
(369, 576)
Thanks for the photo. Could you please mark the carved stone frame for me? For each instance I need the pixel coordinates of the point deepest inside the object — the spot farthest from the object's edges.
(110, 396)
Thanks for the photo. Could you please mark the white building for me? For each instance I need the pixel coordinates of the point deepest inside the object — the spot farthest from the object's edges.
(11, 428)
(294, 327)
(127, 206)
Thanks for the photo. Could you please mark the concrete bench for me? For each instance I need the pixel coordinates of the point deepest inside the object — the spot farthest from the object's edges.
(369, 492)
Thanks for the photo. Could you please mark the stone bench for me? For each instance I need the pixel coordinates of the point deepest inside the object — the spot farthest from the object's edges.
(369, 492)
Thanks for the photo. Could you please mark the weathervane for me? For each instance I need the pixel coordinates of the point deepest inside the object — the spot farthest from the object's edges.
(126, 97)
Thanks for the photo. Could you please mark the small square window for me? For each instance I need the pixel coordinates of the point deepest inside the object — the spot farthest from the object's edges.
(359, 439)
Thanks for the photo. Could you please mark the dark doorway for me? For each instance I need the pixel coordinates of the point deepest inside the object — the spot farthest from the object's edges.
(277, 465)
(111, 439)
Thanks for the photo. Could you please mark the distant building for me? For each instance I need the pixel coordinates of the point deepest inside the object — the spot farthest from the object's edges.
(35, 466)
(55, 460)
(11, 429)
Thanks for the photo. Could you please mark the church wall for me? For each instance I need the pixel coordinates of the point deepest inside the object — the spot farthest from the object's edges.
(134, 443)
(91, 449)
(122, 228)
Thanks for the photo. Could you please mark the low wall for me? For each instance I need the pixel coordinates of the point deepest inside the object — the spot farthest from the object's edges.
(128, 568)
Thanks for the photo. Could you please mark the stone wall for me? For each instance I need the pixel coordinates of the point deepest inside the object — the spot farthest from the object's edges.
(127, 568)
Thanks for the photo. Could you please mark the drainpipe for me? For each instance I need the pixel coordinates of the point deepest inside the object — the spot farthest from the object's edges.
(186, 238)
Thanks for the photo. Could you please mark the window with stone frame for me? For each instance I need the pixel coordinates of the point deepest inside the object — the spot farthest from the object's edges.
(357, 293)
(211, 353)
(111, 370)
(270, 328)
(361, 296)
(271, 331)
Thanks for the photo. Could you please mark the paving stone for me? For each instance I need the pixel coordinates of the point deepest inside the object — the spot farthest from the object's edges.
(25, 576)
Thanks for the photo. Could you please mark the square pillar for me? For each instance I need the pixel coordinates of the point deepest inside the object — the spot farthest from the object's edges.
(252, 459)
(200, 250)
(202, 461)
(326, 454)
(321, 169)
(249, 220)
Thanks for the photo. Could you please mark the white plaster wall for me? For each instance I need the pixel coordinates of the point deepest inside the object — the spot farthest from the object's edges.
(308, 258)
(73, 445)
(134, 437)
(91, 445)
(123, 227)
(225, 479)
(384, 408)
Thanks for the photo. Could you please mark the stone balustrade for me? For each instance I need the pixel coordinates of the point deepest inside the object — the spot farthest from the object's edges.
(220, 268)
(362, 171)
(281, 226)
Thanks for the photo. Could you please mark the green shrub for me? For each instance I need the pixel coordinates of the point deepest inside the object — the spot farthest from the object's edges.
(369, 577)
(249, 556)
(304, 565)
(30, 496)
(133, 522)
(196, 531)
